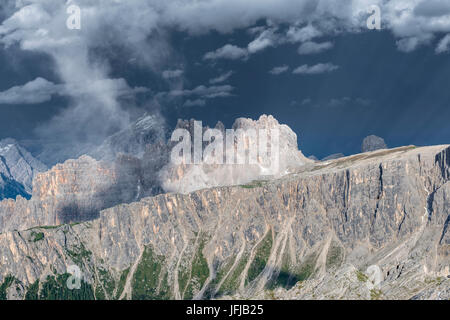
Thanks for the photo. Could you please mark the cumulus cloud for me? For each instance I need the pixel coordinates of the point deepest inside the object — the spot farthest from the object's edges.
(315, 69)
(311, 47)
(195, 103)
(413, 23)
(41, 90)
(228, 51)
(222, 78)
(279, 70)
(266, 39)
(205, 92)
(296, 34)
(171, 74)
(196, 97)
(432, 8)
(33, 92)
(444, 44)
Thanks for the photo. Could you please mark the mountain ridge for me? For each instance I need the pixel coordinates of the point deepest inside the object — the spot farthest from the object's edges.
(385, 208)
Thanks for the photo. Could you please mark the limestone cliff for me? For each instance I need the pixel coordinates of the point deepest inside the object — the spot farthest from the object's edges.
(310, 234)
(208, 173)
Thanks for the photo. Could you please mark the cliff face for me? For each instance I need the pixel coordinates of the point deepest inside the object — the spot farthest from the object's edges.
(310, 234)
(75, 189)
(281, 141)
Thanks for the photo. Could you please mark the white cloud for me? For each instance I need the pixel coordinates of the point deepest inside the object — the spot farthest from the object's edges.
(41, 90)
(222, 78)
(432, 8)
(204, 92)
(171, 74)
(264, 40)
(296, 34)
(195, 103)
(315, 69)
(228, 51)
(33, 92)
(311, 47)
(444, 44)
(279, 70)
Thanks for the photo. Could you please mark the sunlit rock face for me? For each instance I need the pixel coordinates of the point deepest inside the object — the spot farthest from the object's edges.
(278, 159)
(73, 191)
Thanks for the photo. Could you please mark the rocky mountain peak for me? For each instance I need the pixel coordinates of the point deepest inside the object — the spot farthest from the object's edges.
(372, 143)
(147, 130)
(188, 177)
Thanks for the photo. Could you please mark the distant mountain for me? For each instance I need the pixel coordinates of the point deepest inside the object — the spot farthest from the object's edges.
(10, 189)
(134, 140)
(372, 143)
(17, 169)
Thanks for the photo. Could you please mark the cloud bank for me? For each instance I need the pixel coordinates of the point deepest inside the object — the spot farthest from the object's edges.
(315, 69)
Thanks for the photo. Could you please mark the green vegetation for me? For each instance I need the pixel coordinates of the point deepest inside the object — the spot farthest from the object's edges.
(121, 284)
(335, 256)
(286, 276)
(231, 283)
(48, 227)
(199, 273)
(105, 287)
(79, 254)
(362, 276)
(150, 278)
(375, 294)
(307, 267)
(33, 291)
(55, 288)
(8, 281)
(261, 257)
(254, 184)
(220, 274)
(37, 236)
(437, 281)
(270, 295)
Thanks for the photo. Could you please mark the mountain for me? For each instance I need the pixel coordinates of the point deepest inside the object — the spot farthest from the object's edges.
(17, 169)
(314, 233)
(146, 131)
(372, 143)
(9, 188)
(182, 177)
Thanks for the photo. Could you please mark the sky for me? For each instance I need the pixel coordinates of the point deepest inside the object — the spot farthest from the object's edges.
(313, 64)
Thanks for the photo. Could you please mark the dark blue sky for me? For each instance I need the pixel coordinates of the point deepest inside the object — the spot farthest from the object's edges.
(403, 97)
